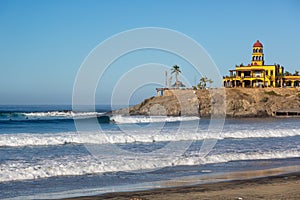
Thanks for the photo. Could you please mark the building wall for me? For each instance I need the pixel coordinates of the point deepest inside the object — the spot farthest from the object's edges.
(252, 75)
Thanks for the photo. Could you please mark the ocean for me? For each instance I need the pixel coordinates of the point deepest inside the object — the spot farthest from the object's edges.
(43, 155)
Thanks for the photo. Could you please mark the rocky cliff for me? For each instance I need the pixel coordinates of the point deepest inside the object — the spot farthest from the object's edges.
(232, 102)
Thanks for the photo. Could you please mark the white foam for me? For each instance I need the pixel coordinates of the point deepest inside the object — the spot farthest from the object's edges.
(150, 119)
(226, 157)
(81, 165)
(145, 136)
(62, 114)
(26, 139)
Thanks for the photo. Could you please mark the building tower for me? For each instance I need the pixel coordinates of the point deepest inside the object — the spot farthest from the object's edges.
(257, 54)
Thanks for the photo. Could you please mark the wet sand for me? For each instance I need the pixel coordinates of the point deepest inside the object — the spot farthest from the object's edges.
(283, 186)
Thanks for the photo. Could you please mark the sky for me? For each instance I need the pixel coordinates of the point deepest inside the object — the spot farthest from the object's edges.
(43, 43)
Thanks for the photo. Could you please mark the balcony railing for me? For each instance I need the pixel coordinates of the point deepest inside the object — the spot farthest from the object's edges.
(253, 76)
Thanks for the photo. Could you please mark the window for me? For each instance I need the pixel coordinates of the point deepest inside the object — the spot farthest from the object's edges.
(257, 74)
(267, 72)
(271, 72)
(247, 74)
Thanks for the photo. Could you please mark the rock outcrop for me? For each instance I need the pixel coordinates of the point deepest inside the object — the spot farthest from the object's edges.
(232, 102)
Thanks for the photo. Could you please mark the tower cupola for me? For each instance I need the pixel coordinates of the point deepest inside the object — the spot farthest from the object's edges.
(257, 54)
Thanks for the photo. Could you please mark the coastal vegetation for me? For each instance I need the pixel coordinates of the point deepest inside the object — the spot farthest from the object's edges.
(203, 82)
(271, 93)
(176, 70)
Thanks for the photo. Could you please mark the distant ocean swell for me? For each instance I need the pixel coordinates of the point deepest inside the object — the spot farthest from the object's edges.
(45, 115)
(143, 136)
(67, 114)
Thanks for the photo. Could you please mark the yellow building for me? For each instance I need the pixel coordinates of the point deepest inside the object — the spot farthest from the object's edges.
(256, 74)
(291, 81)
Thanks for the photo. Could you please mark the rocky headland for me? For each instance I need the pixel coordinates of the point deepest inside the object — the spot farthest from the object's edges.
(232, 102)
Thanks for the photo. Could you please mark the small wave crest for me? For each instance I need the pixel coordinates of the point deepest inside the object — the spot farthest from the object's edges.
(48, 115)
(55, 114)
(150, 119)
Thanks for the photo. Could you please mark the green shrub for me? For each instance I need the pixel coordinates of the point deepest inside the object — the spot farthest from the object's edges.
(264, 99)
(272, 93)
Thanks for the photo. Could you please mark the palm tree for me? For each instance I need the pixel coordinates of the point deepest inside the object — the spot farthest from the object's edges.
(175, 69)
(203, 81)
(210, 81)
(287, 73)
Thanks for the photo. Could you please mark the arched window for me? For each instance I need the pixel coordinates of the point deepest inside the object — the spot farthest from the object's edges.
(259, 58)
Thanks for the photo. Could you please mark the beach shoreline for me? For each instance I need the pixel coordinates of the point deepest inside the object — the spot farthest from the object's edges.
(277, 183)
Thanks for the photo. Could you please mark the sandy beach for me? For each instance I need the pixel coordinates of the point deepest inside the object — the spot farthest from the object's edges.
(280, 186)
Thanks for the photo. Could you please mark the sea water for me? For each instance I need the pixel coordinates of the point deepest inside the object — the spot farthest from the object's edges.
(44, 155)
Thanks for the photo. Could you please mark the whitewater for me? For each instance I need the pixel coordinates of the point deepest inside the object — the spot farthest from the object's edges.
(145, 136)
(41, 145)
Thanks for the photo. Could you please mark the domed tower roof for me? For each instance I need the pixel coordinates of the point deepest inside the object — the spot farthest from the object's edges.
(257, 44)
(257, 54)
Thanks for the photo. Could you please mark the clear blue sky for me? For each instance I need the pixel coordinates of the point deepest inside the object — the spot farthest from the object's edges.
(43, 43)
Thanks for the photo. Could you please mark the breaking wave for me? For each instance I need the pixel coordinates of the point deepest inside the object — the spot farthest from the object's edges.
(6, 117)
(55, 114)
(142, 136)
(145, 119)
(80, 165)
